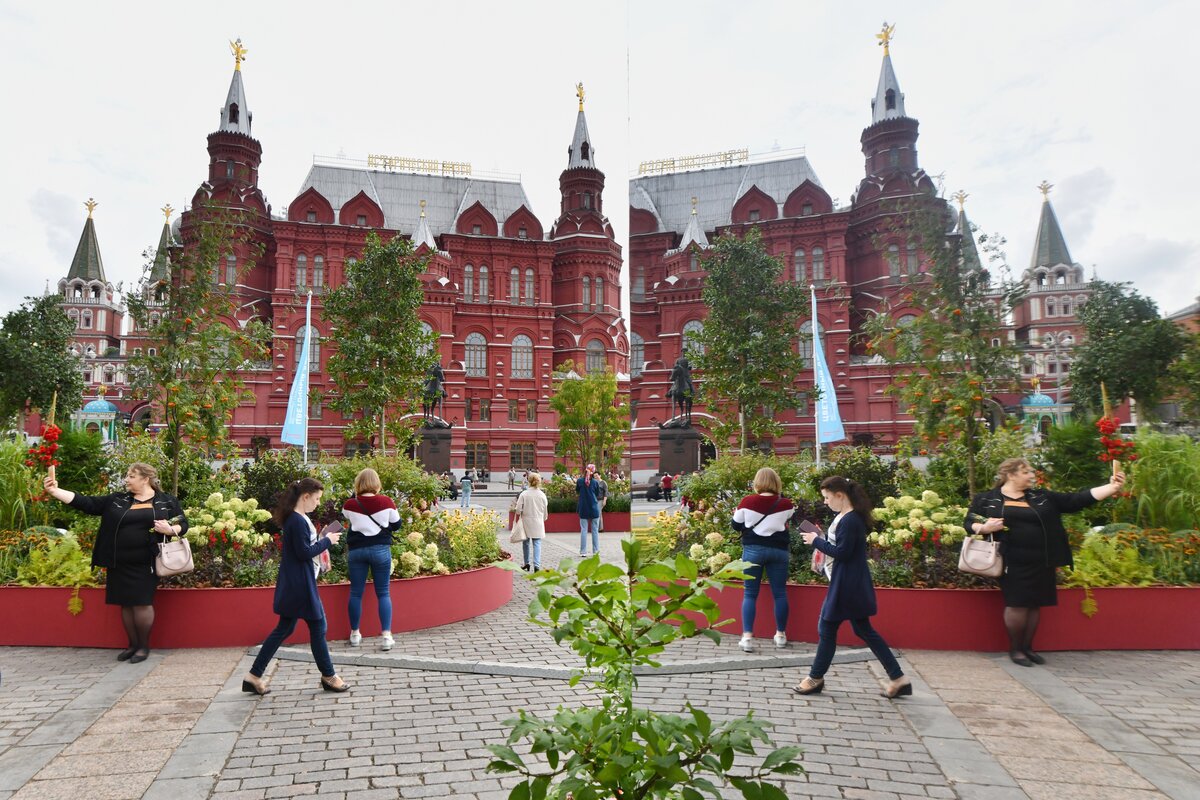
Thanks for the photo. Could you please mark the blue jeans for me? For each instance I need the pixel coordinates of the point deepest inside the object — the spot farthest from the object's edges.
(378, 559)
(774, 560)
(584, 525)
(534, 546)
(465, 500)
(827, 631)
(316, 633)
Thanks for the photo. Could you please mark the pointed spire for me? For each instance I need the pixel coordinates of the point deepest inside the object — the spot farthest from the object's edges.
(581, 153)
(87, 263)
(235, 114)
(423, 235)
(161, 269)
(1050, 247)
(693, 234)
(889, 100)
(970, 252)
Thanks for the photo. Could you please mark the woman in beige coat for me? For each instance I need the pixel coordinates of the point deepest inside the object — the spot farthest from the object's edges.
(531, 510)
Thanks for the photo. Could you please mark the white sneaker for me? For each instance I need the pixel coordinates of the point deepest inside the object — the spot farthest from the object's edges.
(747, 645)
(355, 638)
(781, 640)
(387, 642)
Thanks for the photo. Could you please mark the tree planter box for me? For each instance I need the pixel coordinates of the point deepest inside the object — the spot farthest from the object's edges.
(1128, 618)
(242, 617)
(564, 522)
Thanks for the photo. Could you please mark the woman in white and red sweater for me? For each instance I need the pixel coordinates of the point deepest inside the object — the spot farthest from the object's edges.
(762, 519)
(372, 518)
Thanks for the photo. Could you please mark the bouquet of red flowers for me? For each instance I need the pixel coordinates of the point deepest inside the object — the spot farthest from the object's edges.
(43, 455)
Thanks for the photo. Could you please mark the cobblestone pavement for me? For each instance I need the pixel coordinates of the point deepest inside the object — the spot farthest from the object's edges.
(76, 724)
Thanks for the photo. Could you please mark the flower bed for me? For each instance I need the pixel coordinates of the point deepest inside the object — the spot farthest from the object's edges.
(241, 617)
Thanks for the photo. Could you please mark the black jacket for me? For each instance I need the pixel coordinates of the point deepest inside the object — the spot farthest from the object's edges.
(1049, 507)
(111, 509)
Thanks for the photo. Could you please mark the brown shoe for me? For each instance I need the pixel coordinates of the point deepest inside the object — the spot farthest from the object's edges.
(334, 684)
(901, 687)
(809, 685)
(255, 684)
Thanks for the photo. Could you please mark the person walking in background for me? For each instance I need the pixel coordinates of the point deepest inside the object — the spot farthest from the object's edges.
(602, 497)
(587, 489)
(468, 480)
(762, 520)
(851, 595)
(1028, 524)
(372, 518)
(531, 508)
(668, 484)
(296, 595)
(132, 523)
(512, 477)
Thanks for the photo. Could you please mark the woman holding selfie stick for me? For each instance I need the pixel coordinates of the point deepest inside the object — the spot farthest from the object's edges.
(851, 594)
(296, 595)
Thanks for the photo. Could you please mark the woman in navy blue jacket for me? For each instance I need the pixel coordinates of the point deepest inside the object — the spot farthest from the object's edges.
(588, 506)
(851, 594)
(296, 588)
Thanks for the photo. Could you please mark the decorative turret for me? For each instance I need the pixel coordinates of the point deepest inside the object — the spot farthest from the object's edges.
(87, 265)
(889, 100)
(423, 235)
(235, 114)
(581, 183)
(233, 154)
(693, 234)
(581, 153)
(962, 229)
(160, 271)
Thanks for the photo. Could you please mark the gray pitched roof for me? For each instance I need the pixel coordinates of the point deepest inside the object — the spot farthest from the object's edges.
(87, 263)
(887, 80)
(237, 94)
(1049, 248)
(970, 252)
(399, 194)
(161, 270)
(575, 153)
(669, 197)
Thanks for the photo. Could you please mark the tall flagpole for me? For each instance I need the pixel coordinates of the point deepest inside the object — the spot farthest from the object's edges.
(812, 289)
(295, 421)
(307, 346)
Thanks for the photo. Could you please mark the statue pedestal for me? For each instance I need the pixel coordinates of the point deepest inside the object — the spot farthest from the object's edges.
(433, 449)
(678, 450)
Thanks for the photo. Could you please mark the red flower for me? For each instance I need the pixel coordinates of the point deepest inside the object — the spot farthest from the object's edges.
(908, 545)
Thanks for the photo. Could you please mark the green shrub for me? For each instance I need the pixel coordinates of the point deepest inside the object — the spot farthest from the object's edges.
(878, 476)
(1069, 457)
(947, 472)
(84, 465)
(1103, 561)
(18, 487)
(403, 478)
(1165, 481)
(730, 477)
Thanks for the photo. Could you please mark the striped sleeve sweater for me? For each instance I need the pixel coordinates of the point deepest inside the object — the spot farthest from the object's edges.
(371, 518)
(762, 519)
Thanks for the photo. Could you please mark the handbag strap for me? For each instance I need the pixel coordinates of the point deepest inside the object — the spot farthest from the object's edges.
(778, 500)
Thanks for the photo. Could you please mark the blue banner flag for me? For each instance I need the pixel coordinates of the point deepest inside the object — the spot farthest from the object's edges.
(295, 424)
(829, 421)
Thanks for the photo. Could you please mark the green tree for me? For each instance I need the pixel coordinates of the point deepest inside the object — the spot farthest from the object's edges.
(1185, 377)
(947, 365)
(193, 349)
(35, 362)
(593, 417)
(747, 350)
(382, 354)
(1127, 346)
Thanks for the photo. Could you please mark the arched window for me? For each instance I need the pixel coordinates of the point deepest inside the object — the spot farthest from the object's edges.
(1060, 277)
(914, 264)
(231, 270)
(522, 357)
(529, 286)
(426, 347)
(74, 315)
(476, 355)
(483, 296)
(587, 292)
(77, 291)
(889, 100)
(799, 266)
(806, 340)
(314, 348)
(160, 294)
(818, 265)
(301, 271)
(514, 285)
(96, 292)
(637, 355)
(468, 283)
(587, 199)
(110, 373)
(893, 260)
(596, 362)
(690, 330)
(154, 320)
(1066, 307)
(598, 295)
(694, 262)
(637, 292)
(907, 321)
(318, 271)
(1051, 307)
(87, 319)
(1041, 278)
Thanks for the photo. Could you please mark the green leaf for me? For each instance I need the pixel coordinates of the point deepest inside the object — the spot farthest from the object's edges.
(769, 792)
(781, 755)
(520, 792)
(685, 567)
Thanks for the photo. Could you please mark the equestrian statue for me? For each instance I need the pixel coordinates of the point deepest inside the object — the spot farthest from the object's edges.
(681, 393)
(433, 396)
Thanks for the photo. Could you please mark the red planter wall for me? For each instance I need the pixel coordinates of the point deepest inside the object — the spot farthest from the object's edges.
(242, 617)
(564, 522)
(1150, 618)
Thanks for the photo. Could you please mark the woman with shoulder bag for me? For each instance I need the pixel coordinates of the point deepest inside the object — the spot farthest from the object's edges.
(531, 510)
(762, 520)
(1028, 524)
(296, 595)
(132, 524)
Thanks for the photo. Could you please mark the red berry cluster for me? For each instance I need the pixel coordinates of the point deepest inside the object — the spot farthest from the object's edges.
(1116, 448)
(43, 454)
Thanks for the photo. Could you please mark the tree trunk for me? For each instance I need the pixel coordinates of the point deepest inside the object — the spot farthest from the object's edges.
(741, 431)
(969, 431)
(382, 432)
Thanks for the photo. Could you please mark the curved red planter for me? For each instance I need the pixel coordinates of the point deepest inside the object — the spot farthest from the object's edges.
(568, 522)
(1127, 618)
(241, 617)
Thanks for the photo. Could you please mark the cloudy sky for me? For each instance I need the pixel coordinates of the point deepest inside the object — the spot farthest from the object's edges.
(1090, 96)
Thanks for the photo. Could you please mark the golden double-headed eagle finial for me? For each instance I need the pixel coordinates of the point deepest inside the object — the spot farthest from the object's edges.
(960, 197)
(885, 36)
(1044, 187)
(167, 211)
(239, 53)
(91, 206)
(579, 94)
(422, 208)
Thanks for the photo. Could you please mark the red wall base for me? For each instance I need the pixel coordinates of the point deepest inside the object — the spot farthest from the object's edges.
(242, 617)
(562, 522)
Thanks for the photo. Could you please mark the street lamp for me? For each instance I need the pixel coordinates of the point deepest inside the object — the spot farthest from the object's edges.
(1051, 345)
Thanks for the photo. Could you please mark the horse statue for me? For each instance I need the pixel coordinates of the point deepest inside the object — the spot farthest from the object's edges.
(434, 393)
(681, 392)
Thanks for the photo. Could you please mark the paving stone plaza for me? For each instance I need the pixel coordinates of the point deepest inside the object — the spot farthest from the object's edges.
(77, 724)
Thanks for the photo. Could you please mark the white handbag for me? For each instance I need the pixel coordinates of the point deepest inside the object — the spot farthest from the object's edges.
(981, 557)
(518, 531)
(174, 558)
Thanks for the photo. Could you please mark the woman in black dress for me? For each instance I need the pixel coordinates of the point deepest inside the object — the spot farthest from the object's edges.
(1028, 524)
(132, 523)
